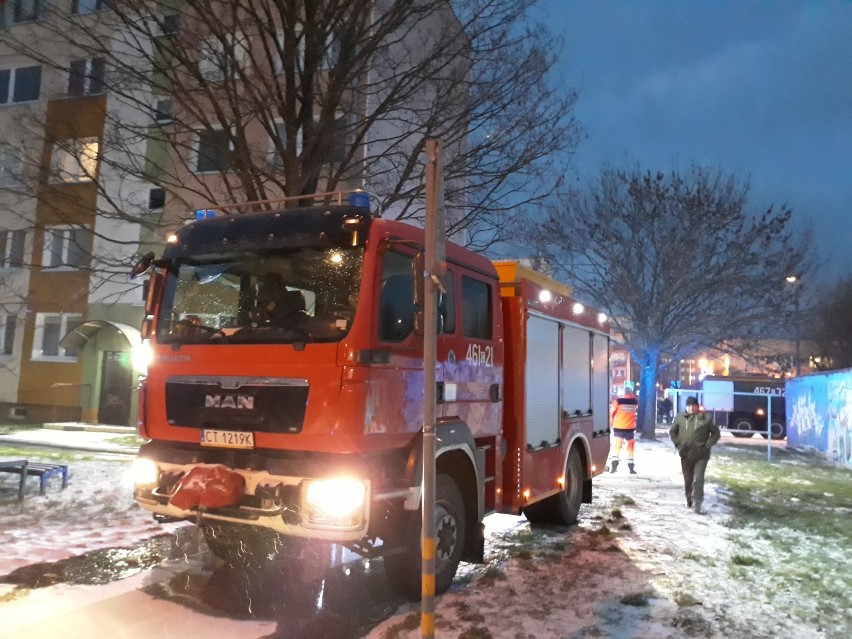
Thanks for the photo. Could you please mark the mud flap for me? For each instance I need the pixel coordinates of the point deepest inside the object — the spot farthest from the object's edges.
(474, 551)
(587, 491)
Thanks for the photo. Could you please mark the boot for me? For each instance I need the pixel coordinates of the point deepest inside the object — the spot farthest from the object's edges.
(697, 509)
(631, 468)
(689, 502)
(613, 465)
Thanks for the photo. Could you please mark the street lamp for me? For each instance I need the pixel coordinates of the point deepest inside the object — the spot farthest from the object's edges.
(794, 280)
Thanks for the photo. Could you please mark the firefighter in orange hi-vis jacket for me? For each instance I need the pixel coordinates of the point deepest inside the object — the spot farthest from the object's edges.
(622, 415)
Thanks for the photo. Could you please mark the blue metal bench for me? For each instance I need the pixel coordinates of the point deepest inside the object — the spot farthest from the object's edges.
(43, 471)
(16, 466)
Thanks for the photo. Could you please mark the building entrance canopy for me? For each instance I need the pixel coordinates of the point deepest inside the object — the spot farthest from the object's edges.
(79, 336)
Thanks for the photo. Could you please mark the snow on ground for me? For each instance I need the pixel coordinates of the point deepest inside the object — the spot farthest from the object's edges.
(640, 564)
(95, 511)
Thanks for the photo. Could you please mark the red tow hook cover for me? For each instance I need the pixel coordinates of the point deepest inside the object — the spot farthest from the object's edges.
(210, 486)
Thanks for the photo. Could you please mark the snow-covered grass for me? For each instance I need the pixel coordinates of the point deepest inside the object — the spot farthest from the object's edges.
(791, 520)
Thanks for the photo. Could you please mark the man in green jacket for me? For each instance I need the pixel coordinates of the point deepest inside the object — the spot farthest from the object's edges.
(694, 434)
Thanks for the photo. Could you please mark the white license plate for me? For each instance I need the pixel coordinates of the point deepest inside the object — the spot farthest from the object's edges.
(227, 438)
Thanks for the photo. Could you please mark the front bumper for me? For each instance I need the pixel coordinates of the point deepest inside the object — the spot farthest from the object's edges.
(277, 493)
(277, 502)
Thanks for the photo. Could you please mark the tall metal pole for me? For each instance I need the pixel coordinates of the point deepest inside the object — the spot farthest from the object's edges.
(795, 280)
(798, 333)
(434, 270)
(769, 429)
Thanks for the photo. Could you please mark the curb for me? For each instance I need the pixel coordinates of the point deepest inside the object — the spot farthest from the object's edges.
(86, 448)
(90, 428)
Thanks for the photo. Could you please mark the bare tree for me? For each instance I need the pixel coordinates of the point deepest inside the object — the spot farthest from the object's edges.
(832, 329)
(675, 259)
(245, 100)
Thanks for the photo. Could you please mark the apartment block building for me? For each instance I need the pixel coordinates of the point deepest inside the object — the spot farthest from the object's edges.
(107, 145)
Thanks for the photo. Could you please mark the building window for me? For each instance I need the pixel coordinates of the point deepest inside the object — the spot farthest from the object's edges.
(7, 334)
(331, 52)
(156, 199)
(163, 112)
(338, 148)
(214, 151)
(85, 7)
(67, 247)
(86, 77)
(15, 11)
(275, 157)
(171, 24)
(224, 58)
(20, 85)
(11, 167)
(283, 49)
(75, 160)
(50, 328)
(12, 248)
(476, 308)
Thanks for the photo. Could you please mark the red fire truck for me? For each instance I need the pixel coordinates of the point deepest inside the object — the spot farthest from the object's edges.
(283, 401)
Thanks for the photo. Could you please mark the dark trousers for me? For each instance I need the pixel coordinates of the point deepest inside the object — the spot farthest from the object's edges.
(693, 477)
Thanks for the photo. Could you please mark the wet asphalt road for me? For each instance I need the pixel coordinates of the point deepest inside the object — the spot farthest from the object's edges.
(344, 600)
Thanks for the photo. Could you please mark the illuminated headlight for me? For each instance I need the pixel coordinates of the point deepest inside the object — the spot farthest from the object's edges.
(334, 503)
(144, 472)
(760, 412)
(142, 355)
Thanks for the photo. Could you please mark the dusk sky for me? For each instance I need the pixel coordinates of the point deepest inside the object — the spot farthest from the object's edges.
(760, 88)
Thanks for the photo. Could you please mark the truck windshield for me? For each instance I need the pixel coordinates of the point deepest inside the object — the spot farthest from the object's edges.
(302, 295)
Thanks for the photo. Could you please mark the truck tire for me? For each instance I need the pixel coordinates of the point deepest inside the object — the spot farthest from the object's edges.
(242, 547)
(779, 430)
(404, 569)
(743, 424)
(562, 508)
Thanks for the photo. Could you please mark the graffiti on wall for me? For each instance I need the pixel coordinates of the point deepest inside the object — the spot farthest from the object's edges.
(819, 414)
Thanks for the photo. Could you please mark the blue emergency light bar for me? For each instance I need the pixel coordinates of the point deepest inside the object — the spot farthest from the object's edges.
(359, 198)
(202, 214)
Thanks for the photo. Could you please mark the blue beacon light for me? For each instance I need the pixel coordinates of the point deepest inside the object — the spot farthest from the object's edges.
(360, 198)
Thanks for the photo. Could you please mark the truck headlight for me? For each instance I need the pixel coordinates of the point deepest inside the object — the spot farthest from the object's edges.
(141, 356)
(334, 503)
(144, 472)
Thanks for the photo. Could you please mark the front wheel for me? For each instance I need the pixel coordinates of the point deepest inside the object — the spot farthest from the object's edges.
(404, 569)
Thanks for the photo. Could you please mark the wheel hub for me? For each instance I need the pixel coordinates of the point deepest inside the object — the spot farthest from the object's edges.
(446, 533)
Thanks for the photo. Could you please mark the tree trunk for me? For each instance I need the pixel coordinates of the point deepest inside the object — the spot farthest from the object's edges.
(647, 419)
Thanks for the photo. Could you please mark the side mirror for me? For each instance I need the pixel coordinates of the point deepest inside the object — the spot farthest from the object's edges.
(419, 269)
(419, 323)
(142, 266)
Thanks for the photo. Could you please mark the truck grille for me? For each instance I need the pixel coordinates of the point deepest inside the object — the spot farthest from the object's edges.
(270, 405)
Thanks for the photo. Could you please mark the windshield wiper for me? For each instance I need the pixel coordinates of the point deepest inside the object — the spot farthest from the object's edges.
(196, 327)
(267, 332)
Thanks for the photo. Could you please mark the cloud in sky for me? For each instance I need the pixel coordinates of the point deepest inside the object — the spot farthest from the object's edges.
(760, 87)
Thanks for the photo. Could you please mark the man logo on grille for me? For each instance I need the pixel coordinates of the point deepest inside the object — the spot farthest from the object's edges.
(244, 402)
